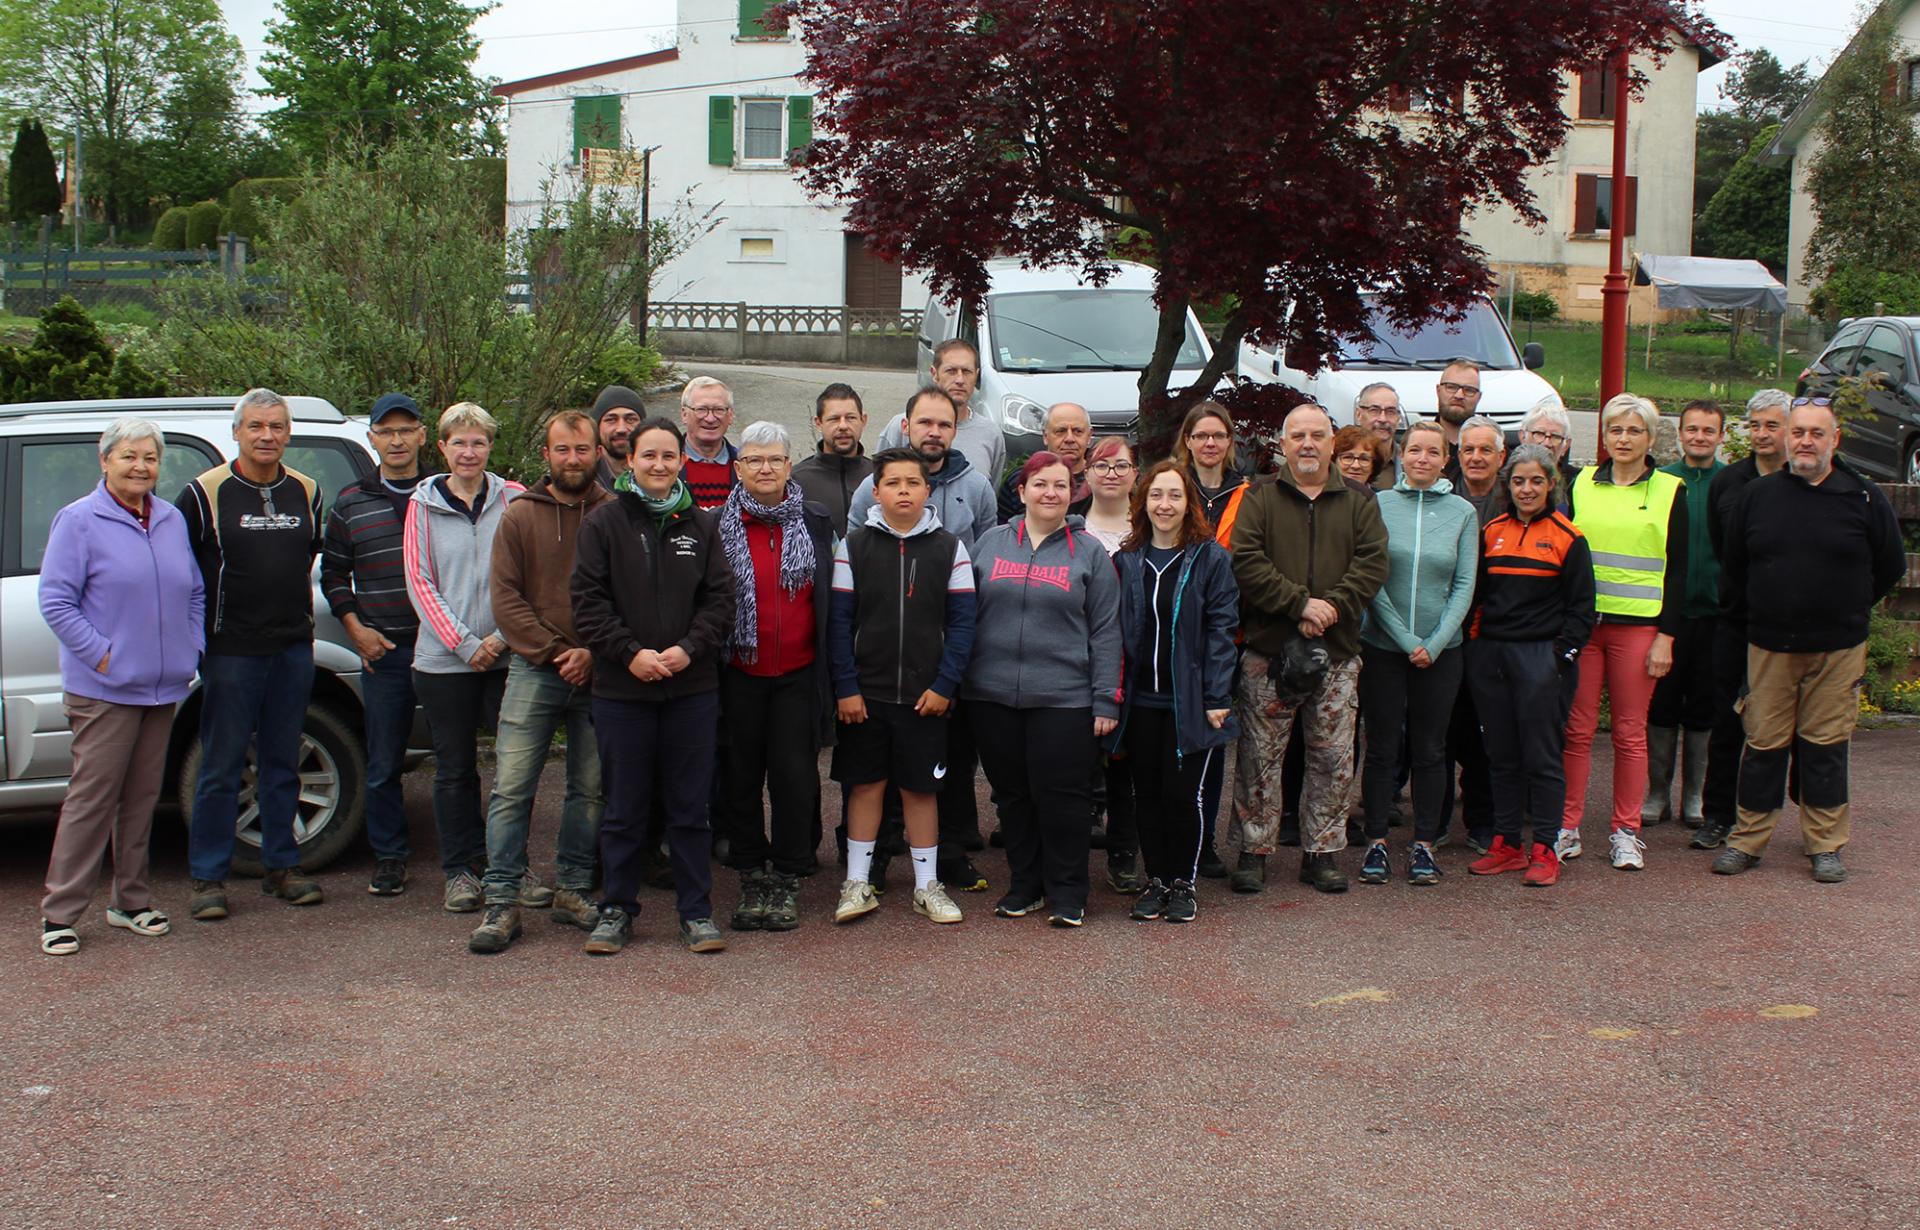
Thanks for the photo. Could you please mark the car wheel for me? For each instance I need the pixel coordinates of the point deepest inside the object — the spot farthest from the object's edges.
(1913, 463)
(332, 765)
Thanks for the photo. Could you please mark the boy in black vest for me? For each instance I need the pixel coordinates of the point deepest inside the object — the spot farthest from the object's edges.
(899, 638)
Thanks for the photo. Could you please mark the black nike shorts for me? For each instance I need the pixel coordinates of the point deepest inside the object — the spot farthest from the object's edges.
(894, 745)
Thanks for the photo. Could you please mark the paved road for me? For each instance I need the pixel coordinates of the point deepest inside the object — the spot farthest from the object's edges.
(1662, 1049)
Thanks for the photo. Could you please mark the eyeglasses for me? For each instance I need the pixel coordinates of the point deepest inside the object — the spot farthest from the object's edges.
(1208, 437)
(1111, 467)
(1385, 409)
(1546, 437)
(1813, 401)
(1626, 430)
(394, 433)
(1448, 386)
(760, 463)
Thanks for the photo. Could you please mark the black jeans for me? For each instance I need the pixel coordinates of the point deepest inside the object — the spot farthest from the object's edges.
(959, 808)
(1038, 762)
(1169, 794)
(1467, 748)
(1728, 734)
(458, 706)
(1686, 696)
(1523, 690)
(669, 744)
(1113, 793)
(771, 725)
(1396, 693)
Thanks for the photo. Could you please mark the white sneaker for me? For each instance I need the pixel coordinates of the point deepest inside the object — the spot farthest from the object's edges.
(1567, 844)
(935, 904)
(856, 898)
(1627, 850)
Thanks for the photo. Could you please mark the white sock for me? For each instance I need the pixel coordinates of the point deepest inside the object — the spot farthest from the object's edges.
(923, 865)
(859, 859)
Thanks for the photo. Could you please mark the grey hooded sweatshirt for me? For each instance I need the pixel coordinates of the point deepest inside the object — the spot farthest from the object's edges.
(1047, 622)
(448, 555)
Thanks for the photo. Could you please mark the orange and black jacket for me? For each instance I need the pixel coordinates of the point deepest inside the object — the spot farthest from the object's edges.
(1535, 584)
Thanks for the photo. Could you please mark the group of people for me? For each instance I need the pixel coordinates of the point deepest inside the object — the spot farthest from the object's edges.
(1398, 602)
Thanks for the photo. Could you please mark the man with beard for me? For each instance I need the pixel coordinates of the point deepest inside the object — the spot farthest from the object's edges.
(1377, 408)
(956, 370)
(1067, 432)
(547, 685)
(617, 411)
(1459, 398)
(839, 464)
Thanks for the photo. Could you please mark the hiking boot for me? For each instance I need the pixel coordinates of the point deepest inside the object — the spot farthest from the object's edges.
(498, 928)
(1122, 878)
(1543, 869)
(463, 894)
(856, 899)
(1566, 845)
(1732, 862)
(1711, 835)
(209, 900)
(1375, 868)
(960, 873)
(389, 877)
(1181, 905)
(751, 913)
(1151, 904)
(533, 894)
(1251, 875)
(290, 886)
(700, 935)
(933, 902)
(1211, 868)
(573, 908)
(1499, 859)
(610, 933)
(781, 894)
(1828, 869)
(1421, 869)
(1322, 871)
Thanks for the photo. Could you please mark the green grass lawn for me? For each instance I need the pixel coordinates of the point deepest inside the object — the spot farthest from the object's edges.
(1685, 365)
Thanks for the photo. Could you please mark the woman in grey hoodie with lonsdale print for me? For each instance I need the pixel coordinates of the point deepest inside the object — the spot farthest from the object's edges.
(1043, 684)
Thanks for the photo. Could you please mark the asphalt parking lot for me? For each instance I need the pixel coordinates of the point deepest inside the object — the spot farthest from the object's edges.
(1661, 1049)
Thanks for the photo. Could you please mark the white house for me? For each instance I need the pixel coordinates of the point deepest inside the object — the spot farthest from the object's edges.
(721, 108)
(1799, 140)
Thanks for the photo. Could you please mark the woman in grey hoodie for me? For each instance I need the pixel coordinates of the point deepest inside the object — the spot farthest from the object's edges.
(1043, 684)
(460, 660)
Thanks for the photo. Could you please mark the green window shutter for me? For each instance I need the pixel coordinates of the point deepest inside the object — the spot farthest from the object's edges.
(596, 122)
(799, 121)
(720, 130)
(750, 13)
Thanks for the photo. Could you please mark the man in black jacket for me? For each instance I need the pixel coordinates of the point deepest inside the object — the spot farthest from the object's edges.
(839, 465)
(1809, 550)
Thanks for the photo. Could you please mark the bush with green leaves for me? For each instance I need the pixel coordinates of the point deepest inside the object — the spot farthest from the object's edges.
(245, 216)
(69, 359)
(170, 232)
(1858, 290)
(203, 224)
(1535, 305)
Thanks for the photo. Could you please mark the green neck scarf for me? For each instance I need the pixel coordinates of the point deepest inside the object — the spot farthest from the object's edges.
(677, 500)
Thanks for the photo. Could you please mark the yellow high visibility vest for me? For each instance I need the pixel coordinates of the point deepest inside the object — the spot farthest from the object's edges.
(1626, 529)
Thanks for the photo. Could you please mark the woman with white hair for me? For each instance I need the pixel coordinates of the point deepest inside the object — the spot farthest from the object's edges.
(122, 592)
(1550, 426)
(1635, 522)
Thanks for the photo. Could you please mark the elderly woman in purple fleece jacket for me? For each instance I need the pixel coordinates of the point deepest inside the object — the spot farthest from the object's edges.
(121, 590)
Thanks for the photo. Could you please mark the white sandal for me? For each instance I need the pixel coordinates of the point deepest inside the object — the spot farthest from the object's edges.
(58, 941)
(144, 922)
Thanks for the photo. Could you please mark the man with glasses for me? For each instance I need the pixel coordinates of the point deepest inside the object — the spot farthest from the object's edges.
(1377, 409)
(364, 580)
(706, 412)
(1068, 432)
(956, 370)
(616, 412)
(1459, 397)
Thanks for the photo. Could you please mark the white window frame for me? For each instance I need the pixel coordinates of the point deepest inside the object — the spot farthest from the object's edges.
(743, 159)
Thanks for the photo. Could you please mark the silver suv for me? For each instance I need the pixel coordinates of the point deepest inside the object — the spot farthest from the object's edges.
(49, 457)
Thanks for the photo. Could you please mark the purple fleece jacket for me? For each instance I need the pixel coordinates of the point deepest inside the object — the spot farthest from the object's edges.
(106, 584)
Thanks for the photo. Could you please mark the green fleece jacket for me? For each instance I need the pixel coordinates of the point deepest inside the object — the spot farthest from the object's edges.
(1288, 548)
(1433, 548)
(1703, 569)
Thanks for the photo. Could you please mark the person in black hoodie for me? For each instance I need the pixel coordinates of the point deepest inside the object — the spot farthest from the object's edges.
(1809, 550)
(839, 464)
(653, 599)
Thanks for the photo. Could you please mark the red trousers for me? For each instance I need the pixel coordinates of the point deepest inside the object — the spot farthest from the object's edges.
(1617, 658)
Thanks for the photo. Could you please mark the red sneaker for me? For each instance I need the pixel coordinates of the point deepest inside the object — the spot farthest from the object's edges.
(1544, 870)
(1499, 857)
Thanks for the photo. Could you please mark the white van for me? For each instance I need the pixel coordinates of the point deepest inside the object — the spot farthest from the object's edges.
(1048, 336)
(1411, 361)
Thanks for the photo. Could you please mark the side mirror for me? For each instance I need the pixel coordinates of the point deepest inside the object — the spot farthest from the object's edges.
(1534, 356)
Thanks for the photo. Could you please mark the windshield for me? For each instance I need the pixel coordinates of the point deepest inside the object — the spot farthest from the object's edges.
(1080, 331)
(1478, 336)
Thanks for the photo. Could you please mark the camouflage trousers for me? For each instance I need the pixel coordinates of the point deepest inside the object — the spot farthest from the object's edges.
(1327, 723)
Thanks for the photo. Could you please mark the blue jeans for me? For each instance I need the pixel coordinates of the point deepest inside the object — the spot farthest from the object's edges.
(246, 699)
(536, 703)
(386, 692)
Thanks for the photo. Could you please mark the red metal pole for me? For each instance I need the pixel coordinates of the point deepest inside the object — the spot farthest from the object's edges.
(1613, 292)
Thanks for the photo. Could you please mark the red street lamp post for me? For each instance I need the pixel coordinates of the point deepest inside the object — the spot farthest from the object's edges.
(1613, 292)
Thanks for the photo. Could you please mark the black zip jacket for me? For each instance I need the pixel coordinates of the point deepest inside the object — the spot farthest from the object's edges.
(1535, 583)
(830, 481)
(638, 585)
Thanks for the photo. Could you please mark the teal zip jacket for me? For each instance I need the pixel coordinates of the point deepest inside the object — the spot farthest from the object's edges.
(1433, 549)
(1703, 569)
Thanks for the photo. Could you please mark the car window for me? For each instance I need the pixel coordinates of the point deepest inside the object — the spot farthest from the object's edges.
(1840, 353)
(331, 463)
(934, 322)
(54, 473)
(1431, 345)
(1079, 330)
(1884, 351)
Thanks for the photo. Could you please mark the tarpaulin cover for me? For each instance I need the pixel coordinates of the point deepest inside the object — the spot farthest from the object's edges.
(1710, 283)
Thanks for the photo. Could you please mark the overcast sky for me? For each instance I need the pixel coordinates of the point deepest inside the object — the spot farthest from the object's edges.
(524, 38)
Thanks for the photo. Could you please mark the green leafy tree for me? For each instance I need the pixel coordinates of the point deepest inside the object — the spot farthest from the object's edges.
(109, 66)
(372, 70)
(199, 142)
(68, 359)
(33, 180)
(1865, 179)
(1758, 92)
(1747, 218)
